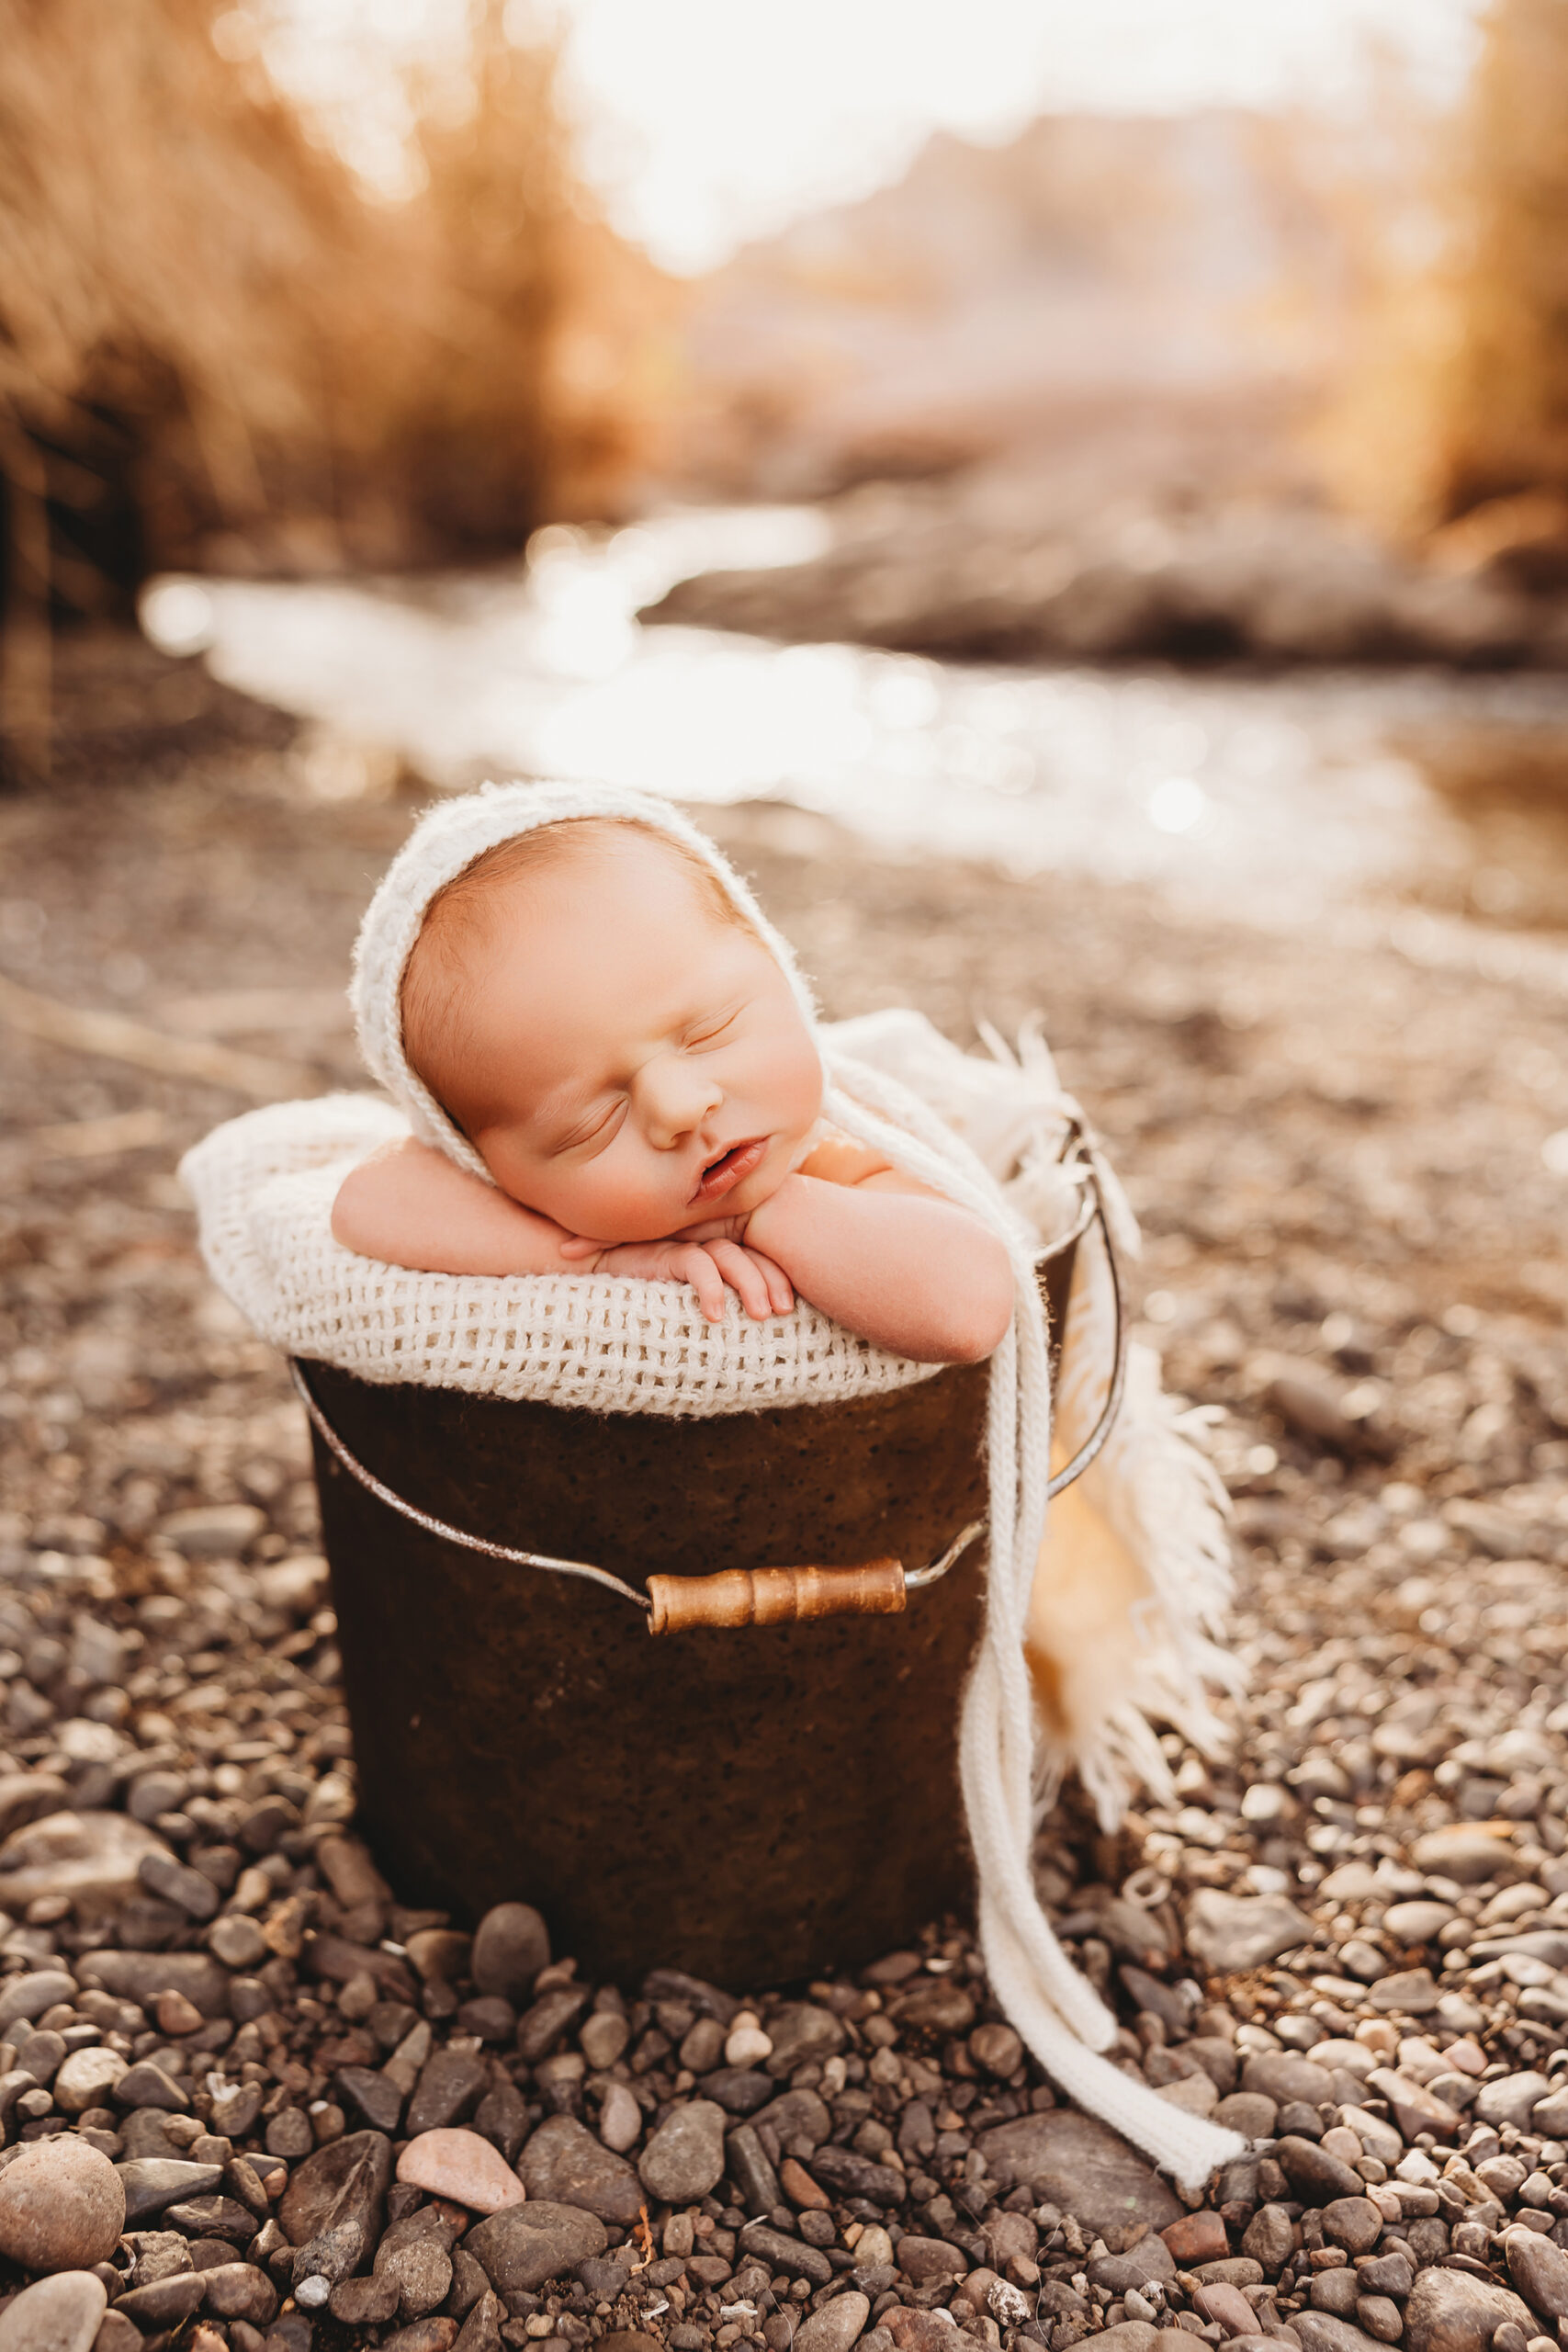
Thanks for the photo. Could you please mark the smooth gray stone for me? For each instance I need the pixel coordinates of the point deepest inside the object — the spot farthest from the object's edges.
(153, 2182)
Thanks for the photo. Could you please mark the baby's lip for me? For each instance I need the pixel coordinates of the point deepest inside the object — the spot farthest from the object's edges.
(729, 1168)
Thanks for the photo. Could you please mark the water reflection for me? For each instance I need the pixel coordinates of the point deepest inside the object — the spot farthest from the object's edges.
(1274, 798)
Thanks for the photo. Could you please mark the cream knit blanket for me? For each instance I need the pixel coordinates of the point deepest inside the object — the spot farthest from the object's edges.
(1116, 1612)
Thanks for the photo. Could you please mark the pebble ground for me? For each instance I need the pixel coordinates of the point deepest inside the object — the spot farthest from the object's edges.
(1349, 1936)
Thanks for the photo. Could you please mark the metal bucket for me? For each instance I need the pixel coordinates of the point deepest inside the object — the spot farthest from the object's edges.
(754, 1798)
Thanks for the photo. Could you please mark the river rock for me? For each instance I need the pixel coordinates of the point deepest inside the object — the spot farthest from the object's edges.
(481, 2328)
(88, 2078)
(931, 2005)
(620, 2118)
(345, 2181)
(146, 2085)
(57, 2315)
(61, 2205)
(565, 2165)
(1196, 2237)
(364, 2302)
(1353, 2222)
(1226, 2306)
(1513, 2099)
(91, 1858)
(176, 1883)
(461, 2166)
(1282, 2077)
(1417, 1922)
(238, 1941)
(450, 2086)
(166, 2301)
(1151, 2259)
(835, 2326)
(1079, 2164)
(1409, 1992)
(1271, 2238)
(1540, 2270)
(1415, 2107)
(801, 2032)
(1317, 2177)
(213, 1530)
(1451, 2310)
(241, 2291)
(142, 1975)
(433, 2334)
(512, 1944)
(685, 2156)
(1128, 2335)
(546, 2023)
(1321, 2332)
(1235, 1932)
(925, 2260)
(151, 2182)
(423, 2271)
(1464, 1852)
(29, 1996)
(522, 2246)
(1248, 2112)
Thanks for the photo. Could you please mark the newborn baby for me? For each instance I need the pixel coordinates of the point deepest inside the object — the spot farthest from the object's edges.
(626, 1055)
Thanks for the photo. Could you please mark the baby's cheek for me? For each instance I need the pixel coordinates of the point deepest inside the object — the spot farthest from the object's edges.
(613, 1206)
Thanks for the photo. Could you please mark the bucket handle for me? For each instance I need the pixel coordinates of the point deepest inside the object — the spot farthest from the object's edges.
(770, 1596)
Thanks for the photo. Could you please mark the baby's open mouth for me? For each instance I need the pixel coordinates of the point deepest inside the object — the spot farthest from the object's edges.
(722, 1175)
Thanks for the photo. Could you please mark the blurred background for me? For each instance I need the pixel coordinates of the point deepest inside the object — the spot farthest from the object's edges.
(395, 355)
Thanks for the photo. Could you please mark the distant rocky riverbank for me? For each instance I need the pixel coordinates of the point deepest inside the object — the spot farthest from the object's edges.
(991, 567)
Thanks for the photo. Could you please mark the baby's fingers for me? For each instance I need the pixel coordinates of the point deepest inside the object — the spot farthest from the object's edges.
(576, 1246)
(781, 1291)
(742, 1272)
(695, 1265)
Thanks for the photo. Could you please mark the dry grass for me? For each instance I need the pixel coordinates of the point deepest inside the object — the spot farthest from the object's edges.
(216, 351)
(1462, 396)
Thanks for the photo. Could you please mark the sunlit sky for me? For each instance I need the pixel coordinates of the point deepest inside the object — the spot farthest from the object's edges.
(705, 122)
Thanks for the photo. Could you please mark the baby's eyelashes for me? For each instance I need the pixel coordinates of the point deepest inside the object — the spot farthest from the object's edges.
(592, 1133)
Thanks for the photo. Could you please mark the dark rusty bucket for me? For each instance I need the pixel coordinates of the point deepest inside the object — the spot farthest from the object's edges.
(752, 1802)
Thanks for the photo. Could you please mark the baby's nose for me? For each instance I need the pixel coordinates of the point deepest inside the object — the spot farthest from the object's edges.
(677, 1099)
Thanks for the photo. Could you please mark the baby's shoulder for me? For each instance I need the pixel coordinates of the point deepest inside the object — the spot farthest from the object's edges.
(835, 1158)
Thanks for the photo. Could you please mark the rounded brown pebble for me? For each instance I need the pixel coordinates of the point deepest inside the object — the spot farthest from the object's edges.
(1451, 2310)
(61, 2206)
(997, 2049)
(1540, 2270)
(57, 2315)
(1355, 2224)
(1317, 2177)
(1197, 2237)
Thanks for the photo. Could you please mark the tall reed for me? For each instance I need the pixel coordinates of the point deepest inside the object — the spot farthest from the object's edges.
(217, 350)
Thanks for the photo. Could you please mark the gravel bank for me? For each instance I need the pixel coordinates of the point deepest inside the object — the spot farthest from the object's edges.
(250, 2099)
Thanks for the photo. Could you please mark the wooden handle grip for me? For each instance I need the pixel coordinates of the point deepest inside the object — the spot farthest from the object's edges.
(775, 1596)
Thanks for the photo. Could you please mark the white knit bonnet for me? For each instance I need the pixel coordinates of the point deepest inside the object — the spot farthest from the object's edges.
(1057, 2011)
(446, 841)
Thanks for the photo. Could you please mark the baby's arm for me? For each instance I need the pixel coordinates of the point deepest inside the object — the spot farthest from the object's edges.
(890, 1261)
(410, 1206)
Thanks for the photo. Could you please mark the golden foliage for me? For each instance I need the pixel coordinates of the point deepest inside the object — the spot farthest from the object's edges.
(1462, 398)
(217, 350)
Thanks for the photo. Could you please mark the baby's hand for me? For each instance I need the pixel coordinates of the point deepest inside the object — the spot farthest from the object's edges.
(710, 1266)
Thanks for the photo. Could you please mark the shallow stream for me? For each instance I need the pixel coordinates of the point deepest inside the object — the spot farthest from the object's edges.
(1279, 798)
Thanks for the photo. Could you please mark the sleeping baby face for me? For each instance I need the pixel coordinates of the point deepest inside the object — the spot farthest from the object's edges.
(619, 1047)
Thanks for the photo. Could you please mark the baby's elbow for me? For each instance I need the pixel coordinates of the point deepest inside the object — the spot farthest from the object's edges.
(985, 1310)
(354, 1220)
